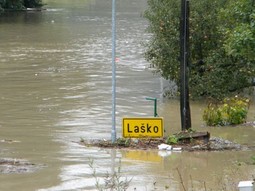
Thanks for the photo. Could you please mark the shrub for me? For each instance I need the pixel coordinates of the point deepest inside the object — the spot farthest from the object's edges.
(231, 111)
(172, 139)
(33, 3)
(253, 159)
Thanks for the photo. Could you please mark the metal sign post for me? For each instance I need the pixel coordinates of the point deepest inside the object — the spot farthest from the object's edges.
(113, 133)
(155, 105)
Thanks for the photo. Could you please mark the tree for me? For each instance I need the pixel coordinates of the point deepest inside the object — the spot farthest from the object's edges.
(12, 4)
(20, 4)
(221, 64)
(33, 3)
(239, 33)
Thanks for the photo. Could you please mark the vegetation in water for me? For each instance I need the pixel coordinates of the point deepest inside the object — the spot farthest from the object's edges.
(231, 111)
(253, 159)
(115, 181)
(111, 181)
(222, 59)
(20, 4)
(177, 138)
(123, 141)
(172, 139)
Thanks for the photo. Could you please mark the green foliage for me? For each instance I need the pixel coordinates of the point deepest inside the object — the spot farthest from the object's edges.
(20, 4)
(239, 30)
(164, 25)
(13, 4)
(33, 3)
(231, 111)
(253, 159)
(123, 142)
(172, 139)
(2, 2)
(221, 63)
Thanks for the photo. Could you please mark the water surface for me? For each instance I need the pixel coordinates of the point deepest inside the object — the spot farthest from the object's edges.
(55, 88)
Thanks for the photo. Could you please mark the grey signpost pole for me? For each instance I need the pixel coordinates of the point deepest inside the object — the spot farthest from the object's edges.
(113, 133)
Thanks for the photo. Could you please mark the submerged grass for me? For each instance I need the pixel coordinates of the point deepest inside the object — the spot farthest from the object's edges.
(116, 182)
(110, 181)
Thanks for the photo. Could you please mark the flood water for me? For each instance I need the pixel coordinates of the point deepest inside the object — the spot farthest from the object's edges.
(55, 88)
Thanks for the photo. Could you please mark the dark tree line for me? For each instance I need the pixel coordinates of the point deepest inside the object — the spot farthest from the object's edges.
(20, 4)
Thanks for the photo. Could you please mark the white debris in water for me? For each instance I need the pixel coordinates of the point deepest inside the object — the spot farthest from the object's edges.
(164, 147)
(164, 153)
(177, 149)
(246, 186)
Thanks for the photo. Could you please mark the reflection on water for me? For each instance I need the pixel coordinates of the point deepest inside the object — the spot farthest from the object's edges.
(55, 87)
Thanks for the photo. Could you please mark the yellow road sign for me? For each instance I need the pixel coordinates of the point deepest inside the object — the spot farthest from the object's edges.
(142, 127)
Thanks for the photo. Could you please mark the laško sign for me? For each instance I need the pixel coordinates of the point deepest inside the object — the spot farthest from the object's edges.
(142, 127)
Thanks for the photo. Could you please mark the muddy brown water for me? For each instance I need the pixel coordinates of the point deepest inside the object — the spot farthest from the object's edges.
(55, 88)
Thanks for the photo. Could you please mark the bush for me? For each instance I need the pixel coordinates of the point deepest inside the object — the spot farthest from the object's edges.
(231, 111)
(20, 4)
(172, 139)
(14, 5)
(33, 3)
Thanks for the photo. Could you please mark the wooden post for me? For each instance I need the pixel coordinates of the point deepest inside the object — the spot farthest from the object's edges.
(184, 67)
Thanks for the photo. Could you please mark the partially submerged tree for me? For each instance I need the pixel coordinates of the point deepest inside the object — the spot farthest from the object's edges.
(33, 3)
(221, 44)
(239, 42)
(20, 4)
(239, 31)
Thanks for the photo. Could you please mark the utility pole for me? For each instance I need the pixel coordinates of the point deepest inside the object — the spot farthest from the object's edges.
(184, 67)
